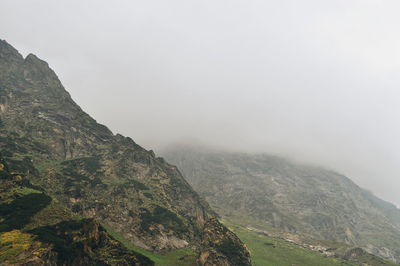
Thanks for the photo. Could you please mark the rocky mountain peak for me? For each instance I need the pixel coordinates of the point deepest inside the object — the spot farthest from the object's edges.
(35, 69)
(88, 169)
(8, 52)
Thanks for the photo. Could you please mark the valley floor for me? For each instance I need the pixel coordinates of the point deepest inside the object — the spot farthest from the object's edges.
(265, 251)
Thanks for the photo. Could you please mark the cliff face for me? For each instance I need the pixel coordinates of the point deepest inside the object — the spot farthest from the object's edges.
(254, 188)
(86, 167)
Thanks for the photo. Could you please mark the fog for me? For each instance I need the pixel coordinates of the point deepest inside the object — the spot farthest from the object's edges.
(313, 80)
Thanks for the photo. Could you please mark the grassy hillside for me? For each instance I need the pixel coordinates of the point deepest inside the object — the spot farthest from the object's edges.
(265, 251)
(179, 257)
(291, 197)
(273, 251)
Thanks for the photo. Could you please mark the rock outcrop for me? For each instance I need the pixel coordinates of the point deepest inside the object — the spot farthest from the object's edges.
(221, 247)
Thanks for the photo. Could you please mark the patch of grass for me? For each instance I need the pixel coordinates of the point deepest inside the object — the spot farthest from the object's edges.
(27, 191)
(137, 185)
(64, 236)
(21, 165)
(179, 257)
(230, 249)
(89, 164)
(54, 213)
(148, 195)
(20, 211)
(48, 164)
(279, 252)
(12, 244)
(96, 181)
(162, 216)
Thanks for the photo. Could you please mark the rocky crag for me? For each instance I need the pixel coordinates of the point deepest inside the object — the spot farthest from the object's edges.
(221, 247)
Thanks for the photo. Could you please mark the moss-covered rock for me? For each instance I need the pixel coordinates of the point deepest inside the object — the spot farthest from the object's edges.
(222, 247)
(36, 230)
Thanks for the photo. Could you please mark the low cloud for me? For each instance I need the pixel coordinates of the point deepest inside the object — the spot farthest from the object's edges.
(312, 80)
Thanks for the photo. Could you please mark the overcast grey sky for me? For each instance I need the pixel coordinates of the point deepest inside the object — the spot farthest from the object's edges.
(314, 80)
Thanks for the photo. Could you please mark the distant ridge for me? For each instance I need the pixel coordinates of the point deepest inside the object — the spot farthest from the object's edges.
(297, 198)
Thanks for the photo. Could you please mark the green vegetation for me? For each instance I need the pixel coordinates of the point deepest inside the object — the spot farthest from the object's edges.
(90, 164)
(68, 237)
(80, 173)
(105, 176)
(49, 164)
(229, 248)
(180, 257)
(148, 195)
(224, 245)
(137, 185)
(32, 225)
(27, 191)
(19, 212)
(253, 189)
(13, 244)
(35, 228)
(162, 216)
(272, 251)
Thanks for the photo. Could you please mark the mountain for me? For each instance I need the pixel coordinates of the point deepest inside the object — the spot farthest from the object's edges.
(48, 138)
(254, 189)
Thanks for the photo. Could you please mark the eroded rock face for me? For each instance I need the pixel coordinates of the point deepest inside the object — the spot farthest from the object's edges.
(222, 247)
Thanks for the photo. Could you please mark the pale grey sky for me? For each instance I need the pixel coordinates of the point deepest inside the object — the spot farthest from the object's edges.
(313, 80)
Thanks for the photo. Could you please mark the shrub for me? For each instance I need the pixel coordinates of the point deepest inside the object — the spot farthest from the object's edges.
(161, 215)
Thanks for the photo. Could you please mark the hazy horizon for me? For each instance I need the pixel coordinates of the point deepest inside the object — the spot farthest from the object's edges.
(314, 81)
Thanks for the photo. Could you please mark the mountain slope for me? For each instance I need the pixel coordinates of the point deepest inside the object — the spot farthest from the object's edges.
(88, 169)
(36, 230)
(299, 199)
(268, 250)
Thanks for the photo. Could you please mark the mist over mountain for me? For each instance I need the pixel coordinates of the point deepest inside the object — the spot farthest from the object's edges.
(227, 132)
(312, 80)
(260, 189)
